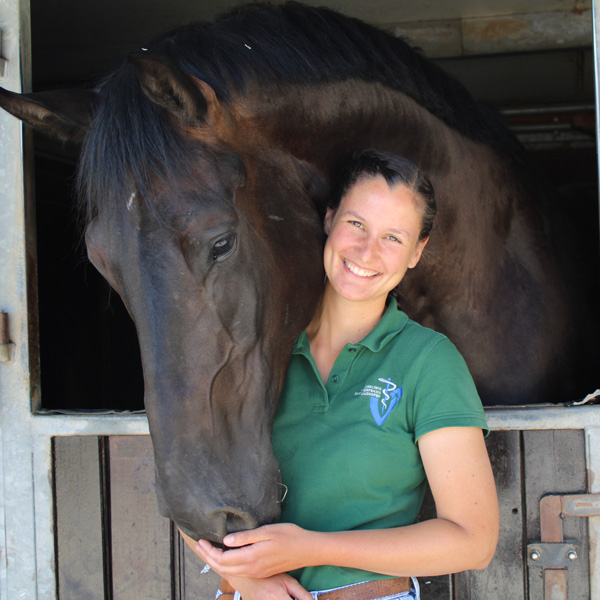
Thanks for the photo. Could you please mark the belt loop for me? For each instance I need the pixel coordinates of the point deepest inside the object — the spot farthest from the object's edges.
(415, 584)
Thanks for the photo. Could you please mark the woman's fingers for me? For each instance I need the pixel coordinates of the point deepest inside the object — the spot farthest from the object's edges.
(278, 587)
(209, 554)
(243, 538)
(295, 590)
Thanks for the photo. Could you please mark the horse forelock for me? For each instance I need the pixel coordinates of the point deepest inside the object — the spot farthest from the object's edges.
(130, 144)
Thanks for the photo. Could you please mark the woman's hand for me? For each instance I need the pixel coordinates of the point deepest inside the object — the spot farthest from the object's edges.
(278, 587)
(259, 553)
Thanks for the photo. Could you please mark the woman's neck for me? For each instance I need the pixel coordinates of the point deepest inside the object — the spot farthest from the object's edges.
(338, 322)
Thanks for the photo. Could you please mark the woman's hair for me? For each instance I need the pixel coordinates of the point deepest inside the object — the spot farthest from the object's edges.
(395, 170)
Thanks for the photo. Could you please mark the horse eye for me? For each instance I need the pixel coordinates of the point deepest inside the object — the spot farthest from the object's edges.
(223, 247)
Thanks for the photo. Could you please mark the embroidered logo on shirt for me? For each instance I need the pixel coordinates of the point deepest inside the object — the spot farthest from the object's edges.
(383, 399)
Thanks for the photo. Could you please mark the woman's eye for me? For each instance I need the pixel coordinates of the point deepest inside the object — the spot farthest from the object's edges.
(356, 223)
(223, 247)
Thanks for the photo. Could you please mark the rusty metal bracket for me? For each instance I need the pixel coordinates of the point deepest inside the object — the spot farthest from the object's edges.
(553, 554)
(6, 347)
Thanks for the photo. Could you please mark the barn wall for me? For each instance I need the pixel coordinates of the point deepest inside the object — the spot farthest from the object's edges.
(21, 576)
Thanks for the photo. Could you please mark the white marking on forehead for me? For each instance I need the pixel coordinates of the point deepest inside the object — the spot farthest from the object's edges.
(130, 201)
(276, 218)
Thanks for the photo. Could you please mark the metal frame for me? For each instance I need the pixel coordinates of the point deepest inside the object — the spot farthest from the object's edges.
(26, 515)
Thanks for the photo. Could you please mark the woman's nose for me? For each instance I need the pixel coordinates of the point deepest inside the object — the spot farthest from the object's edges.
(368, 247)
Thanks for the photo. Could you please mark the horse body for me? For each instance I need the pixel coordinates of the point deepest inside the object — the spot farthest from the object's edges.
(479, 281)
(207, 180)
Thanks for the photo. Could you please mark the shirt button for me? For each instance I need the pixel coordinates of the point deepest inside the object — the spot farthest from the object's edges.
(335, 378)
(351, 349)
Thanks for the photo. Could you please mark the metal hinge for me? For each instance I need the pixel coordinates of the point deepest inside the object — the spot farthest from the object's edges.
(6, 347)
(553, 553)
(3, 62)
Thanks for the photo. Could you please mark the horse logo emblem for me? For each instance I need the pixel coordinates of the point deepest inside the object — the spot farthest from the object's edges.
(382, 407)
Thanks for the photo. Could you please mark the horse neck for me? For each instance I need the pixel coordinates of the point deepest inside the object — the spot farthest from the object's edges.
(321, 124)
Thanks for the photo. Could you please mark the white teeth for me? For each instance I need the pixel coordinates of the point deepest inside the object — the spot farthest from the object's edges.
(358, 271)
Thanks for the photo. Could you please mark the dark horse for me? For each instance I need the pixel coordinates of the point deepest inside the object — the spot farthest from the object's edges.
(207, 162)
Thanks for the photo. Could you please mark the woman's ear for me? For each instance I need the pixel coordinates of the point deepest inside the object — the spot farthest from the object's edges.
(328, 219)
(418, 252)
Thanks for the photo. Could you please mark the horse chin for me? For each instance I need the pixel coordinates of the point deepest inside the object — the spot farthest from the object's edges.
(214, 538)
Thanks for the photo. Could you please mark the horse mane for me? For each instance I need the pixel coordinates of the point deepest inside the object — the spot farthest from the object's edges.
(295, 43)
(262, 43)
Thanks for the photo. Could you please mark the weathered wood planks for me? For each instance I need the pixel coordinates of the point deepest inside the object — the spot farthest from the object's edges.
(113, 545)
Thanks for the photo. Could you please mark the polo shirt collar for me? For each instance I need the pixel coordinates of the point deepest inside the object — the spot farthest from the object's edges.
(391, 323)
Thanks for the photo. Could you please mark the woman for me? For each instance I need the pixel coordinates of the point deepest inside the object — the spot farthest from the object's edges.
(373, 404)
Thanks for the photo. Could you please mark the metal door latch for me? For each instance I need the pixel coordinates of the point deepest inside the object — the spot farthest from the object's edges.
(553, 553)
(6, 347)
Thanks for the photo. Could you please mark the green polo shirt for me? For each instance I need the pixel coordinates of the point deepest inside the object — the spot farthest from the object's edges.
(348, 449)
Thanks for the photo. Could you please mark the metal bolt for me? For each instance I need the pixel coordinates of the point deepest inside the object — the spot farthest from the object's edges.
(535, 555)
(572, 555)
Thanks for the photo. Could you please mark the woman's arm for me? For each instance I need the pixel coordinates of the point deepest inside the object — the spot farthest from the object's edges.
(463, 535)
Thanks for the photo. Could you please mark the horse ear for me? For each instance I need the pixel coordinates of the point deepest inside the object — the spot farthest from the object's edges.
(61, 114)
(168, 86)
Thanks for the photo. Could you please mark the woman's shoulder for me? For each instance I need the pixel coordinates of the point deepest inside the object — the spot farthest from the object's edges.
(398, 329)
(423, 335)
(416, 329)
(426, 347)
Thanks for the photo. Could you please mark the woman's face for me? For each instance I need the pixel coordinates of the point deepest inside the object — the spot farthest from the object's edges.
(373, 238)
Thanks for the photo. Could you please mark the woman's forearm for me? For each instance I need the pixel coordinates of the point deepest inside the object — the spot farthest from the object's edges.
(428, 548)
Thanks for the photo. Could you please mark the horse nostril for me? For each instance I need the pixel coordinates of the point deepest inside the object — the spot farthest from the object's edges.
(238, 521)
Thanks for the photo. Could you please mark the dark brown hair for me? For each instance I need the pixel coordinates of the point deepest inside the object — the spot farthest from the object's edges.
(396, 170)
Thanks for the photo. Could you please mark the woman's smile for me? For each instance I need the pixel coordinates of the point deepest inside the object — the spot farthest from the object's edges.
(356, 270)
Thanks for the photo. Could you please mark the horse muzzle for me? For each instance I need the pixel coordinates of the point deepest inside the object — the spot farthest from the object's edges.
(204, 513)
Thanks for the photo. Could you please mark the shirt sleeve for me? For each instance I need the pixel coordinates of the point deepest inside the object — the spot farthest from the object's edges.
(445, 394)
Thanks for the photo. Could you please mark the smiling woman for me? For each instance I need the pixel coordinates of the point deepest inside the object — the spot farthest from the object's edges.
(373, 407)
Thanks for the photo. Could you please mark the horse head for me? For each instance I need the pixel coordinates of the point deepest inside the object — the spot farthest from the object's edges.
(216, 253)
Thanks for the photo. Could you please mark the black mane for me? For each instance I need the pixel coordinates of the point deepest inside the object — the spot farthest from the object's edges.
(290, 43)
(295, 43)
